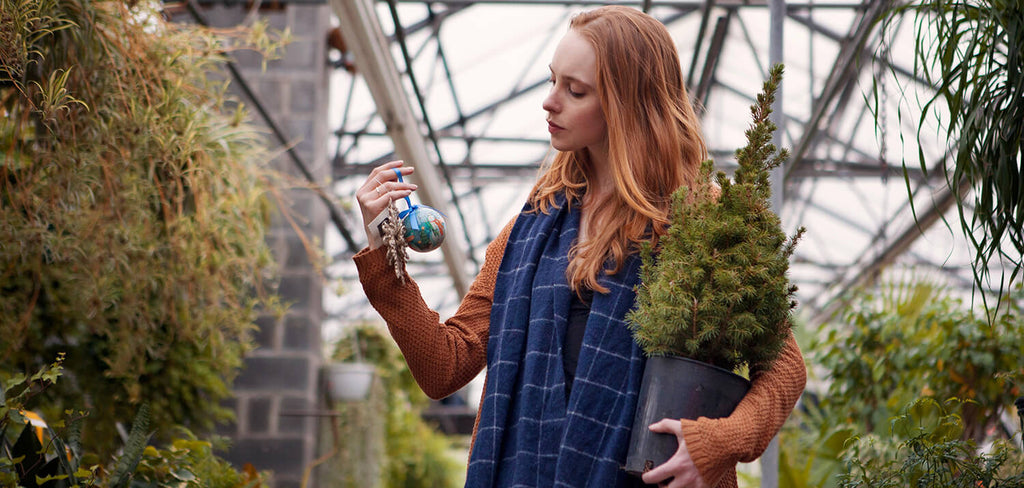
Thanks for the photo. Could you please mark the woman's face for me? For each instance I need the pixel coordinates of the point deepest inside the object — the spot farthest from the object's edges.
(575, 118)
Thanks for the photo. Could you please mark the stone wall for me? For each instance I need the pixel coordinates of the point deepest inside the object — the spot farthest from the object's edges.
(278, 392)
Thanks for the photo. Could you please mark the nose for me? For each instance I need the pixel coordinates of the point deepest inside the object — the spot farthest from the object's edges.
(550, 102)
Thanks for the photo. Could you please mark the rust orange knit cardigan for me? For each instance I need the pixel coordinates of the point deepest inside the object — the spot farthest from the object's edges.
(445, 356)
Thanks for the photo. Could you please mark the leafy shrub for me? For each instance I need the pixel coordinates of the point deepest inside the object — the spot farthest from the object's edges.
(909, 344)
(933, 455)
(132, 212)
(32, 456)
(914, 341)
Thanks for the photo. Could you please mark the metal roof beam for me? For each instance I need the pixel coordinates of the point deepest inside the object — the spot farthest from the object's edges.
(361, 28)
(882, 253)
(835, 36)
(705, 16)
(843, 74)
(707, 75)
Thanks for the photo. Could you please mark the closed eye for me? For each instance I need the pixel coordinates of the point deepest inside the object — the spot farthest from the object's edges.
(568, 88)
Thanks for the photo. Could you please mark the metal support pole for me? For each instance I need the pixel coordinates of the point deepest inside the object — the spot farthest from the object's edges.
(777, 15)
(360, 27)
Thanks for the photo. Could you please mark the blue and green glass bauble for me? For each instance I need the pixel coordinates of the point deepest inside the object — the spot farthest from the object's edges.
(424, 227)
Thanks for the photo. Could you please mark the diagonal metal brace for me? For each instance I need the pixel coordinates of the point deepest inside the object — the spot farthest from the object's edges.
(361, 29)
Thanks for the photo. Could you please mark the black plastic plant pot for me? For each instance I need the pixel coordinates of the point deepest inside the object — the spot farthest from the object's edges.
(678, 388)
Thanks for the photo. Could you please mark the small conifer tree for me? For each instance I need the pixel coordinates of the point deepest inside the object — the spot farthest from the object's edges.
(716, 290)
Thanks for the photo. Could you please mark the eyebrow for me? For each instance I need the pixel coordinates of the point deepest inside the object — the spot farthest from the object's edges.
(572, 78)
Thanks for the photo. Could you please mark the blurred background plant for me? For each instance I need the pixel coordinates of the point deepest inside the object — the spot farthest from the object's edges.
(385, 441)
(133, 203)
(38, 454)
(911, 344)
(926, 449)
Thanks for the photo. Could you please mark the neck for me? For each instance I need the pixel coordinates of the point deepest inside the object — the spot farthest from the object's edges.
(601, 183)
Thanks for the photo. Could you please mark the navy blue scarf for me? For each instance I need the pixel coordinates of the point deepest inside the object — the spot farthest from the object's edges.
(528, 435)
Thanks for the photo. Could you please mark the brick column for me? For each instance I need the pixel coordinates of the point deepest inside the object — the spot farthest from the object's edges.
(281, 378)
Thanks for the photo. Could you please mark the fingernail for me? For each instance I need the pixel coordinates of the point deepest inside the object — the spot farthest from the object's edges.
(414, 187)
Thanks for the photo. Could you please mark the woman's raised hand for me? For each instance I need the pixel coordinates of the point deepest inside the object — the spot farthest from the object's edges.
(379, 189)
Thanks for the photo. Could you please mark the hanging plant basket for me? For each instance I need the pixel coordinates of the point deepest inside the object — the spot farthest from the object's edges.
(675, 387)
(347, 382)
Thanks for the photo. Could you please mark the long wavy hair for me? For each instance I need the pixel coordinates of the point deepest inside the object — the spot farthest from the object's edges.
(654, 142)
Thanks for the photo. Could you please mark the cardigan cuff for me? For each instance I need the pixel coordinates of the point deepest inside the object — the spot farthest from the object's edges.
(377, 275)
(711, 468)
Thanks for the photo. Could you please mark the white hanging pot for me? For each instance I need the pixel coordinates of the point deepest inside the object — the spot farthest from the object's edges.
(348, 382)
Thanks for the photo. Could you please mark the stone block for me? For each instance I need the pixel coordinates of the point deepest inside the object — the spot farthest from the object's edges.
(300, 133)
(295, 424)
(274, 374)
(271, 95)
(277, 19)
(303, 95)
(310, 19)
(295, 291)
(248, 60)
(297, 254)
(282, 456)
(265, 333)
(300, 333)
(303, 50)
(258, 418)
(222, 15)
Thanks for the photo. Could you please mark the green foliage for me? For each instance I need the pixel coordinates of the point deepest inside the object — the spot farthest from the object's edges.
(933, 455)
(811, 448)
(189, 462)
(909, 344)
(132, 212)
(415, 453)
(132, 451)
(971, 51)
(914, 341)
(717, 291)
(50, 457)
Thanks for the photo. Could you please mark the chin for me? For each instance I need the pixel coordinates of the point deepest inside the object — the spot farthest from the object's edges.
(561, 146)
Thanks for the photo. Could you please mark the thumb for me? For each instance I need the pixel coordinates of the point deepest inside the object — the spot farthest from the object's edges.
(665, 426)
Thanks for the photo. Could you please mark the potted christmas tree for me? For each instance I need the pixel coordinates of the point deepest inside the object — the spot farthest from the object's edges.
(714, 297)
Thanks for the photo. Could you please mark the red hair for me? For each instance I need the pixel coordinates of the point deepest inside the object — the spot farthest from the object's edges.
(654, 141)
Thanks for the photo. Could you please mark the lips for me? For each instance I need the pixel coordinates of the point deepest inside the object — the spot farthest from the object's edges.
(553, 127)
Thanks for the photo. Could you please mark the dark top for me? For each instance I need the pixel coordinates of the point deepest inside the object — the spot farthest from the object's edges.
(579, 311)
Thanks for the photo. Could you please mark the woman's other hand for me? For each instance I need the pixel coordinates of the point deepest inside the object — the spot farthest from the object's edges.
(679, 471)
(380, 188)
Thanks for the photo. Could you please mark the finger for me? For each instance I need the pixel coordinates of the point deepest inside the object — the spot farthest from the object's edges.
(380, 174)
(667, 426)
(385, 196)
(381, 181)
(660, 474)
(386, 171)
(392, 187)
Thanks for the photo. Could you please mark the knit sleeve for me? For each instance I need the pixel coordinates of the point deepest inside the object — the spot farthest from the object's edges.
(442, 357)
(716, 445)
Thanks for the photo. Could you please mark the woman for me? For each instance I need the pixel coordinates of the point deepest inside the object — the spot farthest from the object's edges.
(546, 313)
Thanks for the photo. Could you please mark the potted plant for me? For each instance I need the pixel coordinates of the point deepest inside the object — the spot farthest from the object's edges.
(714, 298)
(350, 377)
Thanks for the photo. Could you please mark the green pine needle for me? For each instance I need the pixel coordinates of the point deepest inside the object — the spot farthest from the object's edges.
(716, 291)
